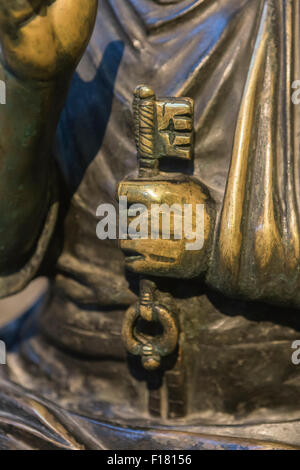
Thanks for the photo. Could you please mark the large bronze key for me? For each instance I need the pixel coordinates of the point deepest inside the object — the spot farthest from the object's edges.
(163, 128)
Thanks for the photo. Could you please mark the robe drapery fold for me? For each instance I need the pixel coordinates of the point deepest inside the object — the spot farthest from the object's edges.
(257, 244)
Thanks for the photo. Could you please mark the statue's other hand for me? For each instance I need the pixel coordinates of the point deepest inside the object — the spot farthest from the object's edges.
(42, 39)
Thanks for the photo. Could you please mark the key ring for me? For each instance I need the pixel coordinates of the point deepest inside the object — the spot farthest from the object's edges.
(150, 348)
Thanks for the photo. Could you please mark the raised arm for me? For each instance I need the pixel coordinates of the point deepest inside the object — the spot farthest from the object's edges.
(42, 42)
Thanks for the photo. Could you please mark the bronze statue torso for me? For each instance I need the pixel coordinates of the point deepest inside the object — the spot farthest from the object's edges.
(204, 50)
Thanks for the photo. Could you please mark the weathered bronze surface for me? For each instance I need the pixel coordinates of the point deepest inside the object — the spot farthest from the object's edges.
(219, 375)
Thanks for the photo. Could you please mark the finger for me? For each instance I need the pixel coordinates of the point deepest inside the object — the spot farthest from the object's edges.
(19, 8)
(141, 191)
(73, 22)
(75, 10)
(17, 12)
(82, 4)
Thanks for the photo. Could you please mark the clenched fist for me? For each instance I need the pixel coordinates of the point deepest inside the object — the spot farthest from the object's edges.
(179, 205)
(42, 39)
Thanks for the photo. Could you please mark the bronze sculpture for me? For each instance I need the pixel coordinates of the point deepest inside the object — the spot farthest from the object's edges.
(231, 364)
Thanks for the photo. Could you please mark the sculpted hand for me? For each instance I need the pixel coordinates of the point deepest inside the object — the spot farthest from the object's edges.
(156, 249)
(42, 39)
